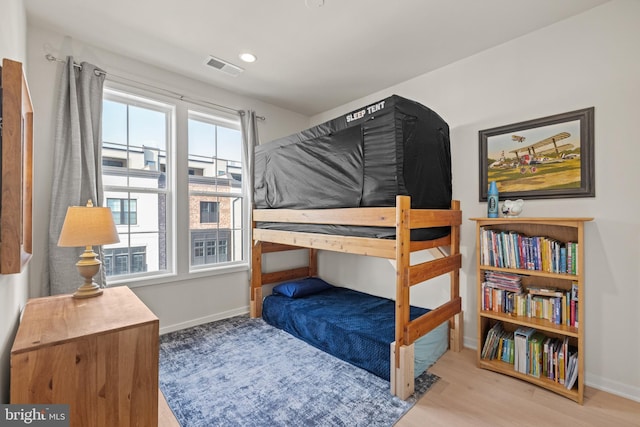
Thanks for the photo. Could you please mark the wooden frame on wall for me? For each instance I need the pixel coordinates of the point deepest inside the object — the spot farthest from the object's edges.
(16, 197)
(545, 158)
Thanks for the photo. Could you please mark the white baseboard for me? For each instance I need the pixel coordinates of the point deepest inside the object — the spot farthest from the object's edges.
(471, 343)
(203, 320)
(613, 387)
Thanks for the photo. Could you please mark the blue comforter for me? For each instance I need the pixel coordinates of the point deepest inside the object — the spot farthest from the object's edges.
(351, 325)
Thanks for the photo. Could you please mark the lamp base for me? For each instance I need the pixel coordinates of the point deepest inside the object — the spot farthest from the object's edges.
(86, 291)
(88, 266)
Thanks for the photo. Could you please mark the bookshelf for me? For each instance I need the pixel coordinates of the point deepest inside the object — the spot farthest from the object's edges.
(560, 241)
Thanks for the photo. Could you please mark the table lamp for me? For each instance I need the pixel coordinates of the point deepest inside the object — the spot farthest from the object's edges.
(88, 226)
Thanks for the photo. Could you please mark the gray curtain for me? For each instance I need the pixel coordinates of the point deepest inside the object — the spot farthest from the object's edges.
(77, 166)
(249, 124)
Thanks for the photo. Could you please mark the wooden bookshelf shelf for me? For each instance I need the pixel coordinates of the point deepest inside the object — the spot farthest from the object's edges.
(539, 324)
(558, 229)
(562, 276)
(507, 369)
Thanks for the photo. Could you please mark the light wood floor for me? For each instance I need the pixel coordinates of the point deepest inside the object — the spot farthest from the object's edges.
(468, 396)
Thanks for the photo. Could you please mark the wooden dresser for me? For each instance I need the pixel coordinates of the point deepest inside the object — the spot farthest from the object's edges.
(99, 355)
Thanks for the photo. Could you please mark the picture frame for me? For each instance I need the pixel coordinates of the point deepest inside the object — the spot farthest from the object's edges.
(16, 169)
(545, 158)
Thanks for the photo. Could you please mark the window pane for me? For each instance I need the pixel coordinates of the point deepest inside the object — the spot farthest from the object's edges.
(146, 231)
(115, 205)
(135, 140)
(208, 212)
(132, 210)
(215, 169)
(229, 144)
(147, 128)
(215, 159)
(121, 261)
(136, 135)
(124, 210)
(114, 122)
(222, 238)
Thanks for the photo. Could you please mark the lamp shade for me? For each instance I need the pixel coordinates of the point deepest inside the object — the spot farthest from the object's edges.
(88, 226)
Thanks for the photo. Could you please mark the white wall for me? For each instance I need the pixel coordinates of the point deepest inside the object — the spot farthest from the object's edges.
(588, 60)
(181, 301)
(13, 288)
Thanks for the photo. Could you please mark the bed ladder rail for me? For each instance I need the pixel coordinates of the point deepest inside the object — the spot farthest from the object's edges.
(428, 321)
(402, 349)
(428, 270)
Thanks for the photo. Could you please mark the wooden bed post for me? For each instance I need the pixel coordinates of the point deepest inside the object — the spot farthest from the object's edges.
(402, 381)
(455, 324)
(313, 262)
(255, 291)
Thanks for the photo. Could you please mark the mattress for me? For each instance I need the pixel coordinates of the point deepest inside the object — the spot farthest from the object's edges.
(353, 326)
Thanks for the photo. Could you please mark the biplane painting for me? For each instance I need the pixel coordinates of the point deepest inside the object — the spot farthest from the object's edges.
(545, 160)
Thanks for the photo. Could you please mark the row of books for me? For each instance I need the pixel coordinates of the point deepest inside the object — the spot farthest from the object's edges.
(557, 310)
(508, 249)
(558, 307)
(533, 353)
(499, 344)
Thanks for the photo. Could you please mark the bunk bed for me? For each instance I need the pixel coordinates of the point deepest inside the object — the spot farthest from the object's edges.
(393, 198)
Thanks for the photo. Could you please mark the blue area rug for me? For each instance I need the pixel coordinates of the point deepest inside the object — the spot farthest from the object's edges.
(244, 372)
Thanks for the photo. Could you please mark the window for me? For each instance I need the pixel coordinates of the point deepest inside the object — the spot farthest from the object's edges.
(209, 247)
(215, 192)
(198, 249)
(136, 135)
(208, 212)
(121, 261)
(117, 163)
(141, 187)
(124, 211)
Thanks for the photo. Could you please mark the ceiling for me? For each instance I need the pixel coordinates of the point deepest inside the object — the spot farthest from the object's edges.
(313, 55)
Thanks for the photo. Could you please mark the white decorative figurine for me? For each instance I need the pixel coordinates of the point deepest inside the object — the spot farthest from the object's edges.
(512, 208)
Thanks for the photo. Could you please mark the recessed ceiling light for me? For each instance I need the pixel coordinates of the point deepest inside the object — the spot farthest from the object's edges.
(248, 57)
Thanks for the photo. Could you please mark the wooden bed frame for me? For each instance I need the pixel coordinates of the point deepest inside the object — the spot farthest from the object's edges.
(403, 218)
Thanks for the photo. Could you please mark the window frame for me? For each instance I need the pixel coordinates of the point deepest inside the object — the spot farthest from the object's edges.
(217, 118)
(144, 99)
(178, 242)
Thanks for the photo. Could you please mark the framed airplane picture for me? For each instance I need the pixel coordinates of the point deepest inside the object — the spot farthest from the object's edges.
(545, 158)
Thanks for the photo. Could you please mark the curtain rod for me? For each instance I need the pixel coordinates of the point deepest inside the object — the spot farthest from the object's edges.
(181, 97)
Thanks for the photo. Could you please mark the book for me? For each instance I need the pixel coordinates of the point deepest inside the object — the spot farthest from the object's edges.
(492, 341)
(544, 291)
(572, 371)
(521, 337)
(535, 354)
(557, 347)
(562, 360)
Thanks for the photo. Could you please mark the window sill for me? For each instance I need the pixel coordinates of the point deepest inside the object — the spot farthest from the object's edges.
(161, 279)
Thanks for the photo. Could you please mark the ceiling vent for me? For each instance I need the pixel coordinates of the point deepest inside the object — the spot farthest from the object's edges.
(224, 66)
